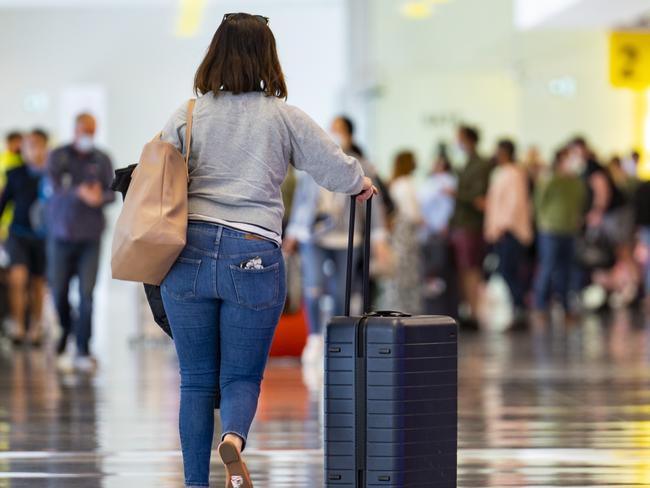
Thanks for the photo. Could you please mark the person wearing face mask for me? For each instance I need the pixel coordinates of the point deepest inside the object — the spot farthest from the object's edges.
(508, 226)
(467, 221)
(605, 212)
(80, 176)
(342, 132)
(318, 230)
(26, 243)
(559, 204)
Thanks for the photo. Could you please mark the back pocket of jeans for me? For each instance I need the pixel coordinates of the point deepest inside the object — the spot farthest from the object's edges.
(180, 282)
(257, 288)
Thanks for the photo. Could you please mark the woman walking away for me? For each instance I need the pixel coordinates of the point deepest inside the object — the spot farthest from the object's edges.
(225, 293)
(403, 289)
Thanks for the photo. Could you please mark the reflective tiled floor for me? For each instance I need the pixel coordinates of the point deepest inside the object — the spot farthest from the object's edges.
(554, 407)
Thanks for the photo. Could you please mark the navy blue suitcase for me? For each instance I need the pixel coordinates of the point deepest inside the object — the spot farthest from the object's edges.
(391, 389)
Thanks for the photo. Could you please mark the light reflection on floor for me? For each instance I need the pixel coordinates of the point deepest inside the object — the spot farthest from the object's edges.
(555, 407)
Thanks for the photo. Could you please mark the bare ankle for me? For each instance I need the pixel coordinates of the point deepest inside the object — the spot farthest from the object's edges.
(234, 439)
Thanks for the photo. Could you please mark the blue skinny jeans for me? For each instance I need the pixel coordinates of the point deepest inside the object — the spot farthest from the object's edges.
(223, 317)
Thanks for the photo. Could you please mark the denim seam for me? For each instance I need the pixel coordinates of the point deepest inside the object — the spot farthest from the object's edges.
(194, 228)
(215, 253)
(248, 253)
(214, 278)
(212, 253)
(208, 228)
(192, 294)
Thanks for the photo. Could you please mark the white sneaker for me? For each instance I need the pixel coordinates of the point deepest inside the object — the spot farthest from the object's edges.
(10, 326)
(313, 351)
(85, 364)
(64, 363)
(13, 330)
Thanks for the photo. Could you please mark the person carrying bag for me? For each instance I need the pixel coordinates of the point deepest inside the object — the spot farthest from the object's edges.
(224, 293)
(151, 230)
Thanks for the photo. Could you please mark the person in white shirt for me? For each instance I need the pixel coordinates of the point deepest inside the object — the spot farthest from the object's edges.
(435, 197)
(318, 230)
(437, 206)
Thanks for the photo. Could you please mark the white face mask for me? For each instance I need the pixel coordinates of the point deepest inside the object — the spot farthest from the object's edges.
(458, 156)
(337, 138)
(576, 164)
(84, 143)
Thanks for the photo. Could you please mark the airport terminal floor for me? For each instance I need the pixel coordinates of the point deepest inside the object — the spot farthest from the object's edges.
(556, 406)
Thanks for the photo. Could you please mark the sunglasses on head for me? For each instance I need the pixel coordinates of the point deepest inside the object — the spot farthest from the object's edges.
(261, 18)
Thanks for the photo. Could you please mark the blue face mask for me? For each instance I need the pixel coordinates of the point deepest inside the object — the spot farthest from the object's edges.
(84, 144)
(35, 170)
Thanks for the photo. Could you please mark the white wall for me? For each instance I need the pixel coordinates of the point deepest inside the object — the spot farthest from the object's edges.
(147, 71)
(468, 63)
(602, 113)
(416, 112)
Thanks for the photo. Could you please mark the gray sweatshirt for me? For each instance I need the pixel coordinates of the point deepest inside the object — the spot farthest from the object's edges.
(240, 150)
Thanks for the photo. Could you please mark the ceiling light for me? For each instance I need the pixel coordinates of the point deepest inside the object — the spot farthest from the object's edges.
(416, 10)
(420, 9)
(189, 17)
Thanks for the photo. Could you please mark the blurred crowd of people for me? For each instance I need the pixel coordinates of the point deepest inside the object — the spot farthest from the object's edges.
(573, 232)
(51, 204)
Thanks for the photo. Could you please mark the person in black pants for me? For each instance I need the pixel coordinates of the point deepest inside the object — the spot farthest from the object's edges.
(642, 220)
(26, 243)
(81, 177)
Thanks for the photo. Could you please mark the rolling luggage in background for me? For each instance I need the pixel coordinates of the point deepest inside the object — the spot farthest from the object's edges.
(390, 395)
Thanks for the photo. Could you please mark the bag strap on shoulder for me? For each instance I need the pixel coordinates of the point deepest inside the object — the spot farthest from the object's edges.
(188, 131)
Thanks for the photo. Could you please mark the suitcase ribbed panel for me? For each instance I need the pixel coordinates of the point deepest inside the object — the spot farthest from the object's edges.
(410, 402)
(340, 356)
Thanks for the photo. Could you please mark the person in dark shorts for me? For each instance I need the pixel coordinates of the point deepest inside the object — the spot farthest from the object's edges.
(467, 221)
(26, 242)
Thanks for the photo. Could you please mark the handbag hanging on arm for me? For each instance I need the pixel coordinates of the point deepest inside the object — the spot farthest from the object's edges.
(161, 166)
(149, 205)
(121, 184)
(151, 230)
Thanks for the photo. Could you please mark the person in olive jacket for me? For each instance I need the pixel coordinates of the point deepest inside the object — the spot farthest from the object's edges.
(467, 221)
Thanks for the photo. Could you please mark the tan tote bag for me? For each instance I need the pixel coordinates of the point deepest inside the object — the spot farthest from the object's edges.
(151, 230)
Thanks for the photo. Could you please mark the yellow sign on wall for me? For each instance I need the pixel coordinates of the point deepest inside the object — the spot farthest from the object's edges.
(629, 59)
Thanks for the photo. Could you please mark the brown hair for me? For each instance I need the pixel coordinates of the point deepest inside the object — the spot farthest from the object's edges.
(404, 164)
(242, 58)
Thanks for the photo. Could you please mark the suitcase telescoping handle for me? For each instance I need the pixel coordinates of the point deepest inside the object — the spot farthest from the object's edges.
(366, 256)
